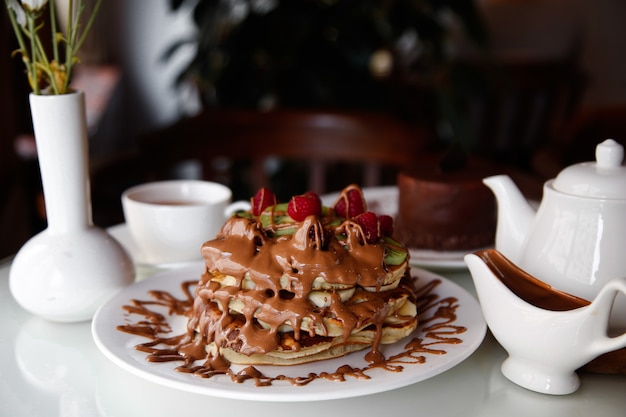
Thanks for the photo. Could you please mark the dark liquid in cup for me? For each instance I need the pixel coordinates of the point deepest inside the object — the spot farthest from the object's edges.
(178, 203)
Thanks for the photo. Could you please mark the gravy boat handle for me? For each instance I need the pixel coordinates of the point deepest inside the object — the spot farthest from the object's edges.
(603, 303)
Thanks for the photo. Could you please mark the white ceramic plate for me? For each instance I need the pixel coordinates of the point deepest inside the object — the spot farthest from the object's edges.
(384, 200)
(439, 260)
(119, 348)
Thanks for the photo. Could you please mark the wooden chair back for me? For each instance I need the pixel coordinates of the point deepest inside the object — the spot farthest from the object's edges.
(576, 141)
(520, 106)
(589, 128)
(318, 139)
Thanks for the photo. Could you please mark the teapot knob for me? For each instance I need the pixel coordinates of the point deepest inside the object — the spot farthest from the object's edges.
(609, 154)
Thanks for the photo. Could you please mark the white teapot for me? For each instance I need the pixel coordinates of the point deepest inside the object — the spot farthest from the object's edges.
(576, 240)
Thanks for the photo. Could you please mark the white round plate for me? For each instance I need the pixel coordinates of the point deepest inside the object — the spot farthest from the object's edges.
(119, 348)
(440, 260)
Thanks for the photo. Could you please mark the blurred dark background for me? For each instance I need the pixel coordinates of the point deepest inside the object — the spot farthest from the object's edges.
(531, 83)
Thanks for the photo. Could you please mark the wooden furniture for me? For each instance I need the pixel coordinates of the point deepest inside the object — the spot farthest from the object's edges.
(576, 140)
(329, 149)
(319, 138)
(591, 127)
(513, 108)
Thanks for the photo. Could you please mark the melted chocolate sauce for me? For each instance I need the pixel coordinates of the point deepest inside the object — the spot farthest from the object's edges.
(437, 329)
(272, 284)
(526, 286)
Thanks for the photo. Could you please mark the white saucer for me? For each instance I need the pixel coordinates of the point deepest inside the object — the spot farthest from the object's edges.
(121, 233)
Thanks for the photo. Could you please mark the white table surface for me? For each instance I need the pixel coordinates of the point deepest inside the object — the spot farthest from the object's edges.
(50, 369)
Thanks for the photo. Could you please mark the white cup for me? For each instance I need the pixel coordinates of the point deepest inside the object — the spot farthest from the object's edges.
(170, 220)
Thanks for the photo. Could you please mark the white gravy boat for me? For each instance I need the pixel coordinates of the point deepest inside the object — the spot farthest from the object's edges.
(547, 333)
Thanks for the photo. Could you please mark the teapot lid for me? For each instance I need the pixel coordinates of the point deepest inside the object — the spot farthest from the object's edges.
(604, 178)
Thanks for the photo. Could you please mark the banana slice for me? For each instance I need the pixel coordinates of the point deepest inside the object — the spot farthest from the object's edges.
(286, 283)
(323, 298)
(320, 283)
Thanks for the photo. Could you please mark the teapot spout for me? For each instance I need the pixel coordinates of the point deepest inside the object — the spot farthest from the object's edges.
(515, 216)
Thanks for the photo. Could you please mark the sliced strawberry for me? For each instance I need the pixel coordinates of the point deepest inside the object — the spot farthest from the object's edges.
(262, 200)
(385, 225)
(301, 206)
(351, 203)
(369, 224)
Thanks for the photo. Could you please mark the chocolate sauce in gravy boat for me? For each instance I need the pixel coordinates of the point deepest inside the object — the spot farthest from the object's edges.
(547, 333)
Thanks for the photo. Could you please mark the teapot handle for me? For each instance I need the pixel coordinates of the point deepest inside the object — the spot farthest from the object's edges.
(604, 303)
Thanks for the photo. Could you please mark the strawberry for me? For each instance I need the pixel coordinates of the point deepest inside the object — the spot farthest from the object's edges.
(369, 224)
(301, 206)
(351, 203)
(262, 200)
(385, 225)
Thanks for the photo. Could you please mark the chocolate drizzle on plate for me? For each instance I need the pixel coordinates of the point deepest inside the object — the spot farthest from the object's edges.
(151, 318)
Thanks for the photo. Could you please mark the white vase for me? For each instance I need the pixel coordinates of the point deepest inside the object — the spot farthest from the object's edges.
(68, 270)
